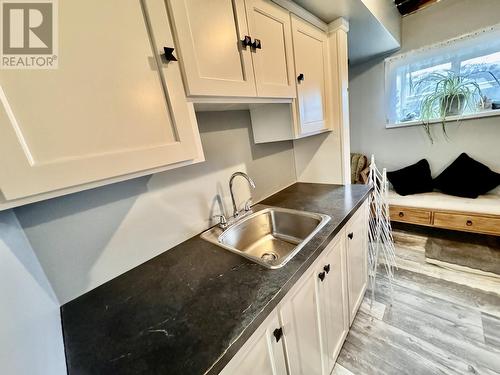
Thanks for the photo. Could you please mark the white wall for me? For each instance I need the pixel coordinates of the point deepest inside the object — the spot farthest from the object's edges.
(318, 159)
(88, 238)
(31, 340)
(395, 148)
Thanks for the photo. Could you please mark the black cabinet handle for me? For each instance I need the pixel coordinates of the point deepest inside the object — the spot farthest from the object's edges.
(350, 235)
(469, 223)
(401, 214)
(301, 77)
(327, 268)
(278, 333)
(169, 54)
(257, 44)
(247, 41)
(321, 276)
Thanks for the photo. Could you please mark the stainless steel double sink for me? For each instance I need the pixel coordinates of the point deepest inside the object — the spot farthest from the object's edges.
(269, 236)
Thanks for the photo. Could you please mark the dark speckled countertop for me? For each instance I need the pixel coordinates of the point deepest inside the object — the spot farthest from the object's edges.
(189, 310)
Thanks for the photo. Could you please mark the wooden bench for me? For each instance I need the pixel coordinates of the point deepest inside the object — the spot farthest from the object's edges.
(480, 215)
(475, 248)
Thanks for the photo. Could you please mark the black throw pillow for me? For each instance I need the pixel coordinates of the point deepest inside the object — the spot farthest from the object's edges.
(467, 178)
(413, 179)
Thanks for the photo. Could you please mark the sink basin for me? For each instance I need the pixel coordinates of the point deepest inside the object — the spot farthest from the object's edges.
(270, 236)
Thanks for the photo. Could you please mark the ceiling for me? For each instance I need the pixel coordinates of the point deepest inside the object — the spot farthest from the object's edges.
(374, 25)
(408, 6)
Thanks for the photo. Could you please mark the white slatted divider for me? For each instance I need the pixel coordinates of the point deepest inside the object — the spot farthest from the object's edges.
(381, 242)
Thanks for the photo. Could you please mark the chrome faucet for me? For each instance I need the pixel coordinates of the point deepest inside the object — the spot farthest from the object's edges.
(236, 213)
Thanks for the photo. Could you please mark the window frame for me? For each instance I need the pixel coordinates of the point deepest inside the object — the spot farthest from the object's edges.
(447, 52)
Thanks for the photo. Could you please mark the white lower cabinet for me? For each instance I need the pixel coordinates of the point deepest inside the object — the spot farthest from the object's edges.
(356, 234)
(300, 318)
(263, 353)
(315, 315)
(333, 297)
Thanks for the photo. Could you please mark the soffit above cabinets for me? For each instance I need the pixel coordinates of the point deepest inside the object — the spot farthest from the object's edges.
(374, 25)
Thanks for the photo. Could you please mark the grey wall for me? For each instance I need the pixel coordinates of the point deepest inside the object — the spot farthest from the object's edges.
(395, 148)
(388, 15)
(85, 239)
(30, 325)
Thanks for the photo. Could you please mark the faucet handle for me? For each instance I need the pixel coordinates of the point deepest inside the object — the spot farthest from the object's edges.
(222, 221)
(248, 205)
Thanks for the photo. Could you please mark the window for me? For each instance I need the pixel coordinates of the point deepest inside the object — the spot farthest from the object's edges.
(475, 56)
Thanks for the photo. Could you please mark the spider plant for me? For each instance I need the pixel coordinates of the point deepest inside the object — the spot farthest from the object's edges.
(446, 94)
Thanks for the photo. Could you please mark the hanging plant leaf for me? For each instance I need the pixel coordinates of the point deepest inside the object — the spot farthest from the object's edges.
(446, 94)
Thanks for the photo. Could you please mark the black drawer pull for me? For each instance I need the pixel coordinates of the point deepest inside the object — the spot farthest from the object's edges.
(247, 41)
(321, 276)
(169, 54)
(401, 214)
(257, 44)
(350, 235)
(327, 268)
(469, 223)
(278, 333)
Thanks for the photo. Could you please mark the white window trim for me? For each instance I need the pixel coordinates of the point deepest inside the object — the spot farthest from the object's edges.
(471, 116)
(422, 50)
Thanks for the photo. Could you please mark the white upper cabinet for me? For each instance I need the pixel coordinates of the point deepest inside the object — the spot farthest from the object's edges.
(214, 59)
(269, 24)
(311, 66)
(114, 106)
(311, 112)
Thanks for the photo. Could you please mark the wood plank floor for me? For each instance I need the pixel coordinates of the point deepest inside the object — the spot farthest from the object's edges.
(410, 249)
(437, 321)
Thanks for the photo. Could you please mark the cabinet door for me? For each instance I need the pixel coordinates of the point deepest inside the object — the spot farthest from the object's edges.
(262, 354)
(357, 259)
(311, 67)
(300, 318)
(213, 58)
(273, 63)
(112, 107)
(333, 297)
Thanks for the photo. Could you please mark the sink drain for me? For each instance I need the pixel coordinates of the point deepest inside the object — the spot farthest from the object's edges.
(269, 256)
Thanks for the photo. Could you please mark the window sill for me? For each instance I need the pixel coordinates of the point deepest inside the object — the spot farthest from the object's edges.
(487, 113)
